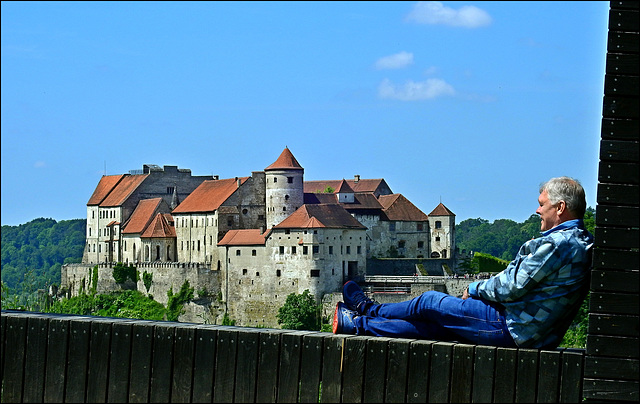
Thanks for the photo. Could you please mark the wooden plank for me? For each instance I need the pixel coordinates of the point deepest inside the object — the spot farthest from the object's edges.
(549, 377)
(462, 373)
(504, 388)
(16, 340)
(620, 107)
(611, 390)
(204, 364)
(56, 365)
(619, 347)
(141, 353)
(618, 150)
(331, 368)
(226, 348)
(614, 281)
(78, 358)
(311, 367)
(598, 367)
(289, 367)
(620, 129)
(353, 367)
(35, 358)
(608, 237)
(622, 42)
(483, 371)
(619, 172)
(246, 365)
(615, 259)
(267, 382)
(623, 20)
(162, 358)
(571, 379)
(527, 376)
(440, 373)
(623, 64)
(607, 324)
(397, 368)
(375, 376)
(98, 372)
(119, 362)
(419, 365)
(183, 358)
(618, 194)
(613, 303)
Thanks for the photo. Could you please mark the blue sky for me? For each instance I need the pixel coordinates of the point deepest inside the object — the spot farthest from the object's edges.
(472, 104)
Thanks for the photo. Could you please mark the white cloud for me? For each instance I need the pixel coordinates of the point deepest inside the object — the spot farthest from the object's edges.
(397, 61)
(415, 91)
(434, 12)
(39, 164)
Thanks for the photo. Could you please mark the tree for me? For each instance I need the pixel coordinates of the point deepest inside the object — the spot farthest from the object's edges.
(300, 312)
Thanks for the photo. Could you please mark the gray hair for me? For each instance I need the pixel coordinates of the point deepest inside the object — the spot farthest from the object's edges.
(568, 190)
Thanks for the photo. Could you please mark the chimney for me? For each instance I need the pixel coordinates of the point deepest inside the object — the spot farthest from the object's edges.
(239, 181)
(216, 177)
(356, 178)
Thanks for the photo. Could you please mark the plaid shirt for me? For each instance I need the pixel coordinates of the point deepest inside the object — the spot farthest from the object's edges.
(542, 289)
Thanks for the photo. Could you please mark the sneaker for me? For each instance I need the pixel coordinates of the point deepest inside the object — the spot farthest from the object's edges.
(355, 298)
(343, 320)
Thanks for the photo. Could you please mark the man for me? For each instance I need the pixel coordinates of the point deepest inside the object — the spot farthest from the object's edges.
(530, 304)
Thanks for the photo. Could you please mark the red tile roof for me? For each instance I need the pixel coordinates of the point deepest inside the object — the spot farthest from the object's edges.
(160, 227)
(343, 188)
(285, 161)
(209, 196)
(105, 185)
(321, 215)
(365, 185)
(123, 190)
(399, 208)
(441, 210)
(243, 237)
(141, 216)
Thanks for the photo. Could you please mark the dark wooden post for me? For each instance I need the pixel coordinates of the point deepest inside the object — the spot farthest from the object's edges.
(611, 361)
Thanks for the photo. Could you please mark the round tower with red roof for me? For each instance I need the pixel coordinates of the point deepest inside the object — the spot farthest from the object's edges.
(284, 183)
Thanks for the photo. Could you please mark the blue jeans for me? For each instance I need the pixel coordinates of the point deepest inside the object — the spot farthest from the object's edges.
(438, 316)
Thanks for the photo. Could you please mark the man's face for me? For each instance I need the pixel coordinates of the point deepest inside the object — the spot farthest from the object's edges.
(548, 213)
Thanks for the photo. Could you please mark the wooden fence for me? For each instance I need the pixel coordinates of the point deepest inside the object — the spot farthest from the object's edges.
(67, 358)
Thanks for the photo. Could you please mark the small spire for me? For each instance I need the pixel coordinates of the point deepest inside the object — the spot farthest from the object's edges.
(174, 199)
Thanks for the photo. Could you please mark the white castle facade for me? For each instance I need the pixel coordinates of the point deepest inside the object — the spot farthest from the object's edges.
(259, 237)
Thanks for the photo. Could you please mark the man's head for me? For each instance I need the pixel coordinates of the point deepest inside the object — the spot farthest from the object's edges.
(560, 199)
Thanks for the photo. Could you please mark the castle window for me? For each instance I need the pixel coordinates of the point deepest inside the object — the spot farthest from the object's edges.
(438, 224)
(230, 221)
(359, 248)
(316, 249)
(244, 211)
(170, 190)
(253, 253)
(287, 231)
(198, 245)
(257, 274)
(420, 244)
(237, 253)
(401, 244)
(315, 273)
(305, 249)
(419, 226)
(438, 238)
(330, 249)
(290, 180)
(293, 249)
(281, 249)
(286, 197)
(278, 272)
(244, 271)
(284, 208)
(260, 217)
(392, 226)
(348, 249)
(275, 179)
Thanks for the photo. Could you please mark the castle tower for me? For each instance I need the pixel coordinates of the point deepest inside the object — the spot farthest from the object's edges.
(284, 188)
(442, 227)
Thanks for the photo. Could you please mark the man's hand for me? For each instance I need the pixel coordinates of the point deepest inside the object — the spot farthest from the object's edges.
(465, 294)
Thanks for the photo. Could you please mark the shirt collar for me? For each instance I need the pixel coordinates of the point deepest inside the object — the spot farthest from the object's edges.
(569, 224)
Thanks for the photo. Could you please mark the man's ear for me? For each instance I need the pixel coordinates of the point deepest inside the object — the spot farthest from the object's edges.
(561, 207)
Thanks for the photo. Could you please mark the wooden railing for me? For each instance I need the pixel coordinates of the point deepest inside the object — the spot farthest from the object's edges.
(67, 358)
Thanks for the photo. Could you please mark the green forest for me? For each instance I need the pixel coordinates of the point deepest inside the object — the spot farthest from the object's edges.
(33, 254)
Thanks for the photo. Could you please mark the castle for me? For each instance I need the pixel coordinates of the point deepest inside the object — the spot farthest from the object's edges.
(258, 238)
